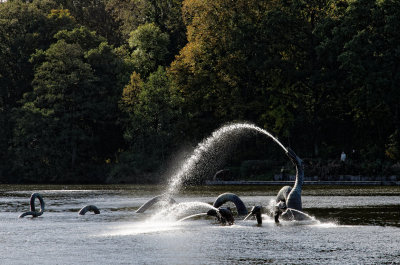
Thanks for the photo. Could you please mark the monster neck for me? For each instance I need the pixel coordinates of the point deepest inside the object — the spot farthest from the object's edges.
(299, 177)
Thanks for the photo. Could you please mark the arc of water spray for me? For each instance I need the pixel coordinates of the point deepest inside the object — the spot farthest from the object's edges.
(192, 216)
(206, 145)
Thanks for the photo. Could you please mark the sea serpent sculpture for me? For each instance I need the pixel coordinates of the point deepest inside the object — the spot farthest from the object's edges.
(288, 201)
(33, 211)
(89, 208)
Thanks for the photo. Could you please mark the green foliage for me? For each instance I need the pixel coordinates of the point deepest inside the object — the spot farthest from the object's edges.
(323, 75)
(93, 14)
(370, 58)
(24, 27)
(150, 48)
(153, 114)
(252, 60)
(216, 72)
(260, 169)
(165, 14)
(393, 147)
(73, 106)
(130, 94)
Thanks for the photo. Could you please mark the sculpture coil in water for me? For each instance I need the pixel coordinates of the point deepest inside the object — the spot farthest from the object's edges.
(33, 211)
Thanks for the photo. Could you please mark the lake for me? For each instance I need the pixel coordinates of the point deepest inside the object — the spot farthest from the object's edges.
(353, 225)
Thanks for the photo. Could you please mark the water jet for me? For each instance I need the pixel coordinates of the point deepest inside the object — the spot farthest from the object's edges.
(219, 140)
(255, 211)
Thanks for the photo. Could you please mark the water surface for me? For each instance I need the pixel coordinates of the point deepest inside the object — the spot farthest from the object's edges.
(354, 225)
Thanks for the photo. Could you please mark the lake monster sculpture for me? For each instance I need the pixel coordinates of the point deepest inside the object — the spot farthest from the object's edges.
(288, 201)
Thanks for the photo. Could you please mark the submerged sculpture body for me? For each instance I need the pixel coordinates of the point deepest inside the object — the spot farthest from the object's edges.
(230, 197)
(223, 215)
(156, 199)
(89, 208)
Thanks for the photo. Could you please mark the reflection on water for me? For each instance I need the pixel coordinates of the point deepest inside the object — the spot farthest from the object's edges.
(140, 228)
(359, 227)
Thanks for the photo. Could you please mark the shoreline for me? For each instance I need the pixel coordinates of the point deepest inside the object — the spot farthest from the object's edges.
(283, 183)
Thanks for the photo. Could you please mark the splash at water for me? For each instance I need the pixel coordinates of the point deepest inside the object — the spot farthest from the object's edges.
(175, 211)
(307, 217)
(215, 142)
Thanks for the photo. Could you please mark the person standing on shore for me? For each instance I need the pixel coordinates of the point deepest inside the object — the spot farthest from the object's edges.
(343, 157)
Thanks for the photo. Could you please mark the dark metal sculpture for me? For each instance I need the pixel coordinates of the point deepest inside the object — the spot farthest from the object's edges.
(223, 215)
(89, 208)
(256, 211)
(288, 201)
(230, 197)
(33, 211)
(162, 197)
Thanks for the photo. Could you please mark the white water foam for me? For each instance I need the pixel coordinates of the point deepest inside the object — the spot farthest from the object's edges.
(173, 212)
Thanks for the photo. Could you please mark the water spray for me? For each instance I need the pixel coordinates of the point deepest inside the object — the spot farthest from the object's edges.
(188, 167)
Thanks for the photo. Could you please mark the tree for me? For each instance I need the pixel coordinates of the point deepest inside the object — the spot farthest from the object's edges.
(74, 103)
(152, 126)
(130, 94)
(370, 59)
(165, 14)
(94, 15)
(24, 27)
(218, 70)
(308, 75)
(261, 61)
(150, 48)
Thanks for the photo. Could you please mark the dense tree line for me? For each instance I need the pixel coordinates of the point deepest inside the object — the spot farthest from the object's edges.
(107, 90)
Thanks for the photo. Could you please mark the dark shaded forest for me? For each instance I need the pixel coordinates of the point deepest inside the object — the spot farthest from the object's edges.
(105, 91)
